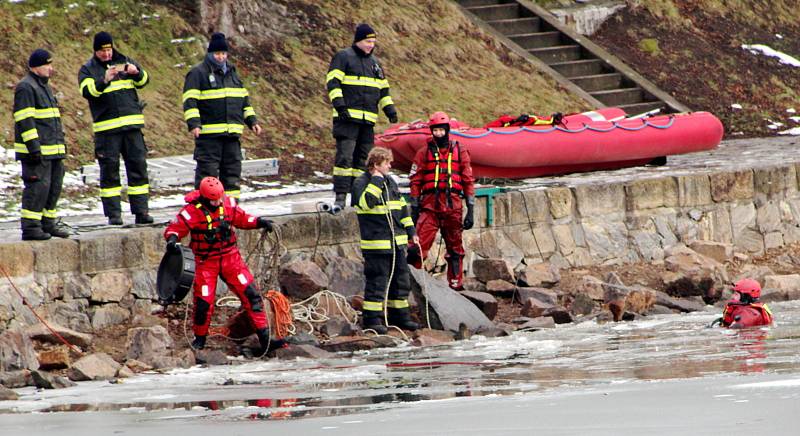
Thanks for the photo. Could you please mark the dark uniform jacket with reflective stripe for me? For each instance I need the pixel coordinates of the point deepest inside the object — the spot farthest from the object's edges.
(216, 102)
(37, 120)
(373, 196)
(115, 105)
(356, 81)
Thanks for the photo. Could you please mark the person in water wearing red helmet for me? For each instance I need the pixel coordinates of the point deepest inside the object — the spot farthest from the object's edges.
(440, 177)
(210, 217)
(744, 309)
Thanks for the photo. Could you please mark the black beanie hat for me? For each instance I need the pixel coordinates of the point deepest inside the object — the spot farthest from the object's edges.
(39, 57)
(363, 31)
(217, 43)
(103, 40)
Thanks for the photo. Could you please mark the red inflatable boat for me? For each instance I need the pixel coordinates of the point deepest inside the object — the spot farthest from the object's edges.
(590, 141)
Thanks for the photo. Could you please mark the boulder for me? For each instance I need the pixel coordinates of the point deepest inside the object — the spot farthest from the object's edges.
(582, 304)
(96, 366)
(787, 282)
(680, 304)
(549, 296)
(356, 343)
(559, 314)
(40, 332)
(718, 251)
(43, 380)
(485, 302)
(16, 379)
(448, 308)
(54, 358)
(500, 287)
(697, 274)
(532, 308)
(149, 344)
(300, 279)
(486, 270)
(7, 394)
(592, 287)
(302, 351)
(538, 323)
(16, 351)
(544, 275)
(210, 357)
(473, 284)
(346, 276)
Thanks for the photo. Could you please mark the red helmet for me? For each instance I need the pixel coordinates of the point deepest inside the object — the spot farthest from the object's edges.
(748, 286)
(439, 118)
(211, 188)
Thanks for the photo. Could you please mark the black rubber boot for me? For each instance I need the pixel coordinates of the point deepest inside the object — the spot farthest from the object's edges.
(35, 234)
(143, 218)
(374, 322)
(199, 342)
(340, 199)
(402, 318)
(55, 228)
(267, 344)
(115, 220)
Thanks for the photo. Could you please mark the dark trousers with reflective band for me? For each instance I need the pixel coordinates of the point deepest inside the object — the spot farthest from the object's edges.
(219, 156)
(377, 268)
(353, 143)
(130, 146)
(42, 187)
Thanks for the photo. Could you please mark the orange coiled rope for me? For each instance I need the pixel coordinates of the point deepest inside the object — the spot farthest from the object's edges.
(282, 311)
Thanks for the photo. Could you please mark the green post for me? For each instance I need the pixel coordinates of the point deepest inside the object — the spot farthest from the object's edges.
(489, 193)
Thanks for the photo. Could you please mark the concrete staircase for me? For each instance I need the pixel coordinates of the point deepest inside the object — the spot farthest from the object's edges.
(603, 80)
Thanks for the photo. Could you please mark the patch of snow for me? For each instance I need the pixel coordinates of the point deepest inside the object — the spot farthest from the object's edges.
(794, 132)
(795, 119)
(769, 51)
(90, 4)
(791, 110)
(72, 6)
(16, 1)
(736, 106)
(300, 156)
(182, 41)
(37, 14)
(770, 384)
(779, 36)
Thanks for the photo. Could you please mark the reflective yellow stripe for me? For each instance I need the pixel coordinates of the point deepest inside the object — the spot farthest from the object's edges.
(46, 150)
(374, 190)
(208, 129)
(377, 210)
(335, 93)
(89, 83)
(397, 304)
(128, 120)
(49, 213)
(401, 240)
(767, 309)
(375, 306)
(143, 81)
(356, 172)
(385, 101)
(29, 214)
(407, 221)
(138, 190)
(191, 113)
(118, 85)
(235, 193)
(334, 74)
(450, 169)
(249, 112)
(24, 113)
(212, 94)
(30, 134)
(364, 81)
(111, 192)
(191, 93)
(345, 172)
(51, 112)
(358, 114)
(381, 244)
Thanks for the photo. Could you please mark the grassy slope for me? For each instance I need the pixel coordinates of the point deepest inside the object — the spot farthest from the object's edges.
(434, 57)
(700, 42)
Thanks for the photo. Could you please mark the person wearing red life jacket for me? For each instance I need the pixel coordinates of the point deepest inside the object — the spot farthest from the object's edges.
(210, 217)
(744, 309)
(440, 177)
(525, 120)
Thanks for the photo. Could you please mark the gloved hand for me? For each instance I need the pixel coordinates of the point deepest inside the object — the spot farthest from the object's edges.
(35, 158)
(469, 219)
(557, 117)
(263, 223)
(414, 205)
(393, 118)
(173, 245)
(522, 119)
(344, 115)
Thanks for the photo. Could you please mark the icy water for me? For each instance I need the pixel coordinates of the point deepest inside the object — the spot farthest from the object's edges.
(675, 354)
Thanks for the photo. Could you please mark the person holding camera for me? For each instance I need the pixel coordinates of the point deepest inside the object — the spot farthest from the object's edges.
(209, 218)
(109, 81)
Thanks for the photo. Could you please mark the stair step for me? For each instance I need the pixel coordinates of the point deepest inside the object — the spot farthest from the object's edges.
(618, 97)
(598, 82)
(471, 3)
(537, 40)
(517, 25)
(640, 108)
(582, 67)
(504, 11)
(558, 53)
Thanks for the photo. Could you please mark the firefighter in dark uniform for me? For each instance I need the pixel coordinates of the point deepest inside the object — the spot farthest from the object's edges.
(210, 217)
(385, 226)
(109, 81)
(440, 176)
(216, 107)
(39, 146)
(357, 88)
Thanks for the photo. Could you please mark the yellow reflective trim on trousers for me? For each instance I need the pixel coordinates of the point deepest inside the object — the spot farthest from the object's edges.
(24, 113)
(188, 114)
(118, 85)
(30, 134)
(335, 93)
(380, 244)
(46, 150)
(249, 112)
(235, 193)
(29, 214)
(344, 172)
(397, 304)
(357, 172)
(213, 94)
(358, 115)
(208, 129)
(373, 306)
(191, 93)
(139, 190)
(385, 101)
(407, 221)
(111, 192)
(128, 120)
(143, 81)
(334, 74)
(89, 82)
(50, 213)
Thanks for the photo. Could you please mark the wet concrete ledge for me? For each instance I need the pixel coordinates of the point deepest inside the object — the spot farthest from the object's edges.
(744, 194)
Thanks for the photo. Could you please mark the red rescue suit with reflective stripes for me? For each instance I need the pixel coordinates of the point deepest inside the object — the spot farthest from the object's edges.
(217, 255)
(749, 314)
(440, 177)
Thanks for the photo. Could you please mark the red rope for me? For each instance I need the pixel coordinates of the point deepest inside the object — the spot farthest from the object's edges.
(25, 302)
